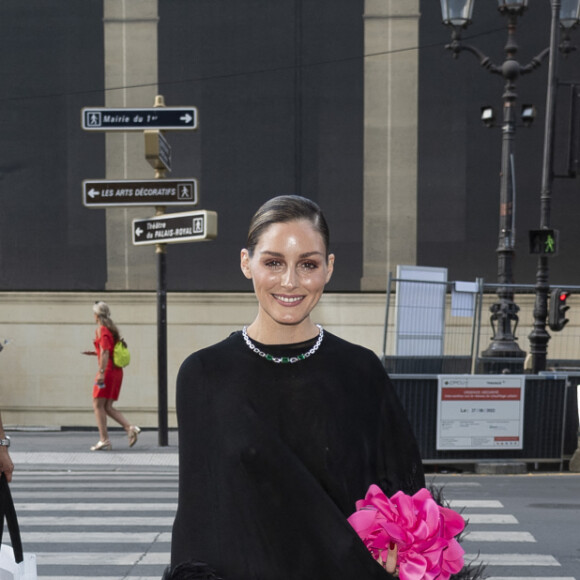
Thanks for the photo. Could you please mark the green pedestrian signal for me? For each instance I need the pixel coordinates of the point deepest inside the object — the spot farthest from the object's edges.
(544, 242)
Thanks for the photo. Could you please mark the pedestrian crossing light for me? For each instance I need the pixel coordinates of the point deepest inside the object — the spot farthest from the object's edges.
(544, 242)
(558, 308)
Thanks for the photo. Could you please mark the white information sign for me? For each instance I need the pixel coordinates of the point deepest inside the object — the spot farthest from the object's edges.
(480, 412)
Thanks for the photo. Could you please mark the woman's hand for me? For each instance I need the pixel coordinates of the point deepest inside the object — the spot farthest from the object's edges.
(6, 465)
(103, 361)
(390, 563)
(89, 352)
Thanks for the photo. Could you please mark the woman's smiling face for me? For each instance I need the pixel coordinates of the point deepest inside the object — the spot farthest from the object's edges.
(289, 269)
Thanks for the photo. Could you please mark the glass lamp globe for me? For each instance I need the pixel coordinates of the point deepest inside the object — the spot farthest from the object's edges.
(569, 13)
(457, 12)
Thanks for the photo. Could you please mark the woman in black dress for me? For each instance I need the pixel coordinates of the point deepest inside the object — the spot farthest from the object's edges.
(283, 426)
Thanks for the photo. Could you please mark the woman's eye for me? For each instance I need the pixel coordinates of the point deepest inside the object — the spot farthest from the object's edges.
(273, 264)
(310, 265)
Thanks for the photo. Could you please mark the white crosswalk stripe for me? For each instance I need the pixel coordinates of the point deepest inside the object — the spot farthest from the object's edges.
(95, 521)
(513, 559)
(96, 525)
(107, 459)
(95, 559)
(97, 537)
(87, 495)
(498, 519)
(457, 504)
(496, 536)
(102, 507)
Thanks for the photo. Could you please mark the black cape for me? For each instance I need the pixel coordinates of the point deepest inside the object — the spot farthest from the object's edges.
(272, 458)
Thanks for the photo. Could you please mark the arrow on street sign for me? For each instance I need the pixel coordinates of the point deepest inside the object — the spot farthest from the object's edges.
(166, 118)
(145, 192)
(170, 228)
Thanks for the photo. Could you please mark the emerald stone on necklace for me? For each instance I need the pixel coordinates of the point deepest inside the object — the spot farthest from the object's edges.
(283, 359)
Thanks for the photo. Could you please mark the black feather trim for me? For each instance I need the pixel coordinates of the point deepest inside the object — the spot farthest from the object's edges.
(470, 571)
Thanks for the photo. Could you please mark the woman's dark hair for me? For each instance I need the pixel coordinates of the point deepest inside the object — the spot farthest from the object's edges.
(283, 209)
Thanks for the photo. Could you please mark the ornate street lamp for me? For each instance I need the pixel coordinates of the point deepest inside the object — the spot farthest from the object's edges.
(457, 14)
(568, 14)
(504, 317)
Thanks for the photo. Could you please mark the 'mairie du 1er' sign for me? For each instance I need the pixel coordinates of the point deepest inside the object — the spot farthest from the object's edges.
(166, 118)
(170, 228)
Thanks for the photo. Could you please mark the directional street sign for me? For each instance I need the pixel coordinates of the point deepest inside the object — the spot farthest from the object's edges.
(170, 228)
(147, 192)
(166, 118)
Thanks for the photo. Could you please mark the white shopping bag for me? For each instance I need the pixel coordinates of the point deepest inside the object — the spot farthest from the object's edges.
(10, 570)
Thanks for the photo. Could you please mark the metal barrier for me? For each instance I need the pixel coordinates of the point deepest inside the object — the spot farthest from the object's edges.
(550, 420)
(423, 336)
(444, 332)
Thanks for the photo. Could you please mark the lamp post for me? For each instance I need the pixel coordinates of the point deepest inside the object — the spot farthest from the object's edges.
(458, 14)
(568, 12)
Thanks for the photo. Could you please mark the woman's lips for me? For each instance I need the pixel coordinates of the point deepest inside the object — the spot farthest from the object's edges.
(288, 300)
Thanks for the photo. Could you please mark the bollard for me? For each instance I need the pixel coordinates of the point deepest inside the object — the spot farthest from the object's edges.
(575, 460)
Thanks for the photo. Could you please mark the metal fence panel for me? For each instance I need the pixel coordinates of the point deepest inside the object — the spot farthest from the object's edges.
(465, 330)
(420, 311)
(544, 420)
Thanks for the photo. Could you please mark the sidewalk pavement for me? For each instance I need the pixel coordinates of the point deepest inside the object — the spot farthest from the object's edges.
(67, 449)
(54, 449)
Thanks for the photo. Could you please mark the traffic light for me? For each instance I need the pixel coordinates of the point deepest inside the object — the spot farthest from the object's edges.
(544, 242)
(557, 316)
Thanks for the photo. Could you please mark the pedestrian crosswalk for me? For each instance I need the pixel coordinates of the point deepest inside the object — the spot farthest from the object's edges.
(514, 553)
(100, 525)
(109, 525)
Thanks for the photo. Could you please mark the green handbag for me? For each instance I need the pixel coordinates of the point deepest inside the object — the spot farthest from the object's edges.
(121, 354)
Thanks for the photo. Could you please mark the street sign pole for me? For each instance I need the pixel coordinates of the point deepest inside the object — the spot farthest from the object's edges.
(162, 409)
(161, 251)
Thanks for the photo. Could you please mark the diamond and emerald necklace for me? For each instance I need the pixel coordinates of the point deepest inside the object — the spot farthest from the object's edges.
(283, 359)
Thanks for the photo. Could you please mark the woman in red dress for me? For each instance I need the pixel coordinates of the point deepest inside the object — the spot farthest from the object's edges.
(108, 380)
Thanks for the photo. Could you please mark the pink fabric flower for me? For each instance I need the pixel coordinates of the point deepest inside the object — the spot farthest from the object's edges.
(423, 531)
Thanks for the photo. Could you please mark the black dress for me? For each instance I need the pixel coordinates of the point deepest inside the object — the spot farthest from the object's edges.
(274, 456)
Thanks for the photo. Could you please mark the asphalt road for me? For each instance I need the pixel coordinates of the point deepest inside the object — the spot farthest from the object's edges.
(521, 526)
(108, 515)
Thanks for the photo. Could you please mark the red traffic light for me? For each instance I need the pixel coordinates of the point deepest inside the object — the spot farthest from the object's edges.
(558, 309)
